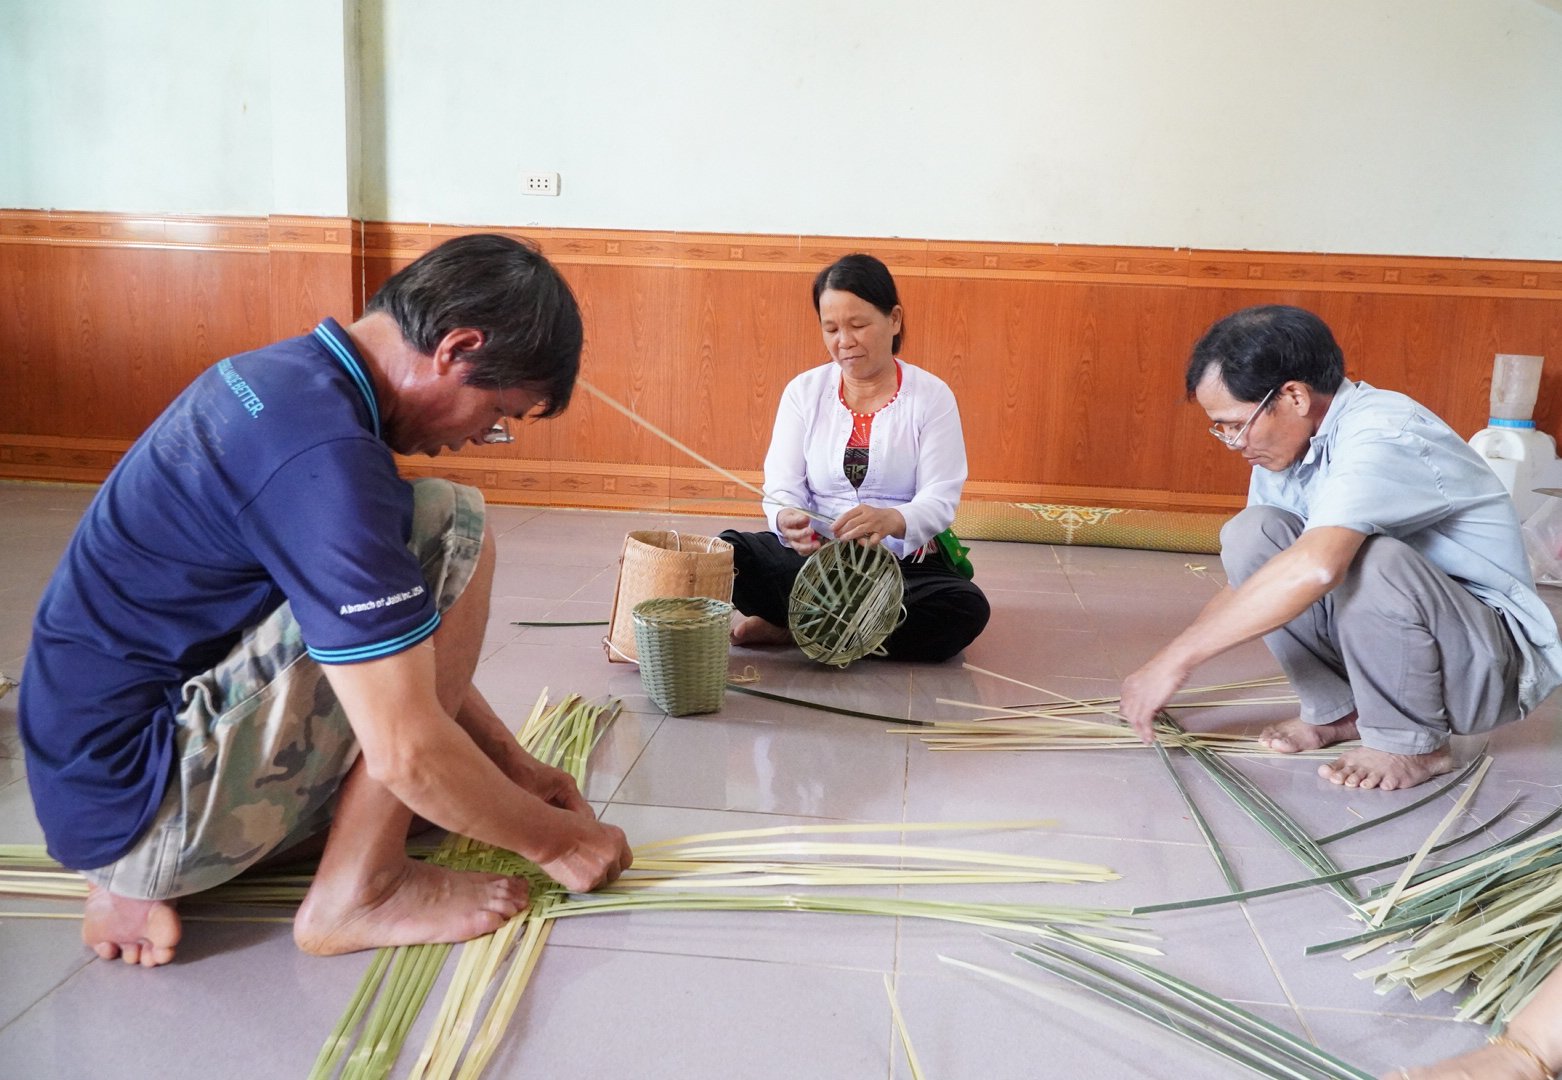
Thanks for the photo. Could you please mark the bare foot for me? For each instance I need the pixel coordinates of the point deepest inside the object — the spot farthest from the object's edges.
(141, 932)
(415, 904)
(1488, 1063)
(1364, 767)
(753, 630)
(1296, 736)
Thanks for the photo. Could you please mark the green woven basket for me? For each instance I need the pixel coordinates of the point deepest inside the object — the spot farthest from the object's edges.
(846, 601)
(682, 642)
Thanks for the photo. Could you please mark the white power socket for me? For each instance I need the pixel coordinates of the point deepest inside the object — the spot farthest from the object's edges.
(540, 183)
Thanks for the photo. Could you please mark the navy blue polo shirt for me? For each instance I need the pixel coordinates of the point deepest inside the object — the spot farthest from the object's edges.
(265, 481)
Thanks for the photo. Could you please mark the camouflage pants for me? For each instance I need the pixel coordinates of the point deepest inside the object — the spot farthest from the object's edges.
(263, 743)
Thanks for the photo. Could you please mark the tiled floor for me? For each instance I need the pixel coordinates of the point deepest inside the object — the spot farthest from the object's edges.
(756, 996)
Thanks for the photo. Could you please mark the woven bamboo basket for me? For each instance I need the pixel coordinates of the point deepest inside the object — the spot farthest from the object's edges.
(660, 562)
(683, 643)
(846, 601)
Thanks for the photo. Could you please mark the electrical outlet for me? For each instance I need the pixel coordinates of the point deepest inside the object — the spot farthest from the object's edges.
(540, 183)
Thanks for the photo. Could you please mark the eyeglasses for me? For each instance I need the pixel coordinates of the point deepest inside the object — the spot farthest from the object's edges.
(1231, 442)
(499, 434)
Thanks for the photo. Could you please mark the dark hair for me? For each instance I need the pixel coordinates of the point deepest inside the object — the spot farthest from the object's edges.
(1259, 349)
(525, 311)
(865, 277)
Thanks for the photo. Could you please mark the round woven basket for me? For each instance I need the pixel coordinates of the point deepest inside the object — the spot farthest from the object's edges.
(682, 642)
(845, 602)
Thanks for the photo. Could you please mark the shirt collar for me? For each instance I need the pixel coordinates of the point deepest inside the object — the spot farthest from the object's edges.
(336, 341)
(1331, 420)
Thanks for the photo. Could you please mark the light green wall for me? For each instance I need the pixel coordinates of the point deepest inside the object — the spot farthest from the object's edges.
(1400, 126)
(175, 106)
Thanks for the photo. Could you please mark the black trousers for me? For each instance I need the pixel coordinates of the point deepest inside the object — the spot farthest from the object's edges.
(944, 611)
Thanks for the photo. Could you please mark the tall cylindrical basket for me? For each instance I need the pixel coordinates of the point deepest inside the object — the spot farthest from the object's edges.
(682, 642)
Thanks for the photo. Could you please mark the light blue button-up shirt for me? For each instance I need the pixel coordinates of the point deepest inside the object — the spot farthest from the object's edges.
(1382, 463)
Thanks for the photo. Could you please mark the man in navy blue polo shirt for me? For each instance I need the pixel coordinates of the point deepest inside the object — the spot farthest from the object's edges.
(260, 631)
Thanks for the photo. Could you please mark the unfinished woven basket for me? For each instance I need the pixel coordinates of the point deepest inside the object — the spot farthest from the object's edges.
(845, 602)
(683, 643)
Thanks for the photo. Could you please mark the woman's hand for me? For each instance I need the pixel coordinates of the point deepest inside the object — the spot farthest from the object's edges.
(797, 530)
(869, 524)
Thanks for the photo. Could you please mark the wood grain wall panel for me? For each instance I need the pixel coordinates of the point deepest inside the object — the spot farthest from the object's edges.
(31, 400)
(305, 287)
(630, 354)
(1067, 360)
(986, 339)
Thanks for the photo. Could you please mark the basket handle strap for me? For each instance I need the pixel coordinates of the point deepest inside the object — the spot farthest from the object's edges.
(607, 641)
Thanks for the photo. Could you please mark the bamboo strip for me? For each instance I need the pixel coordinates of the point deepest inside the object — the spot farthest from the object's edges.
(900, 1028)
(1387, 903)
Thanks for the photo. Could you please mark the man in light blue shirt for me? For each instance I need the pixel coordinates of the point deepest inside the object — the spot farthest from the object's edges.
(1378, 556)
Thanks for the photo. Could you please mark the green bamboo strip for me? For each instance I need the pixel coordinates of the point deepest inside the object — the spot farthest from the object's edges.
(1272, 819)
(1387, 903)
(1493, 853)
(822, 707)
(1326, 879)
(559, 622)
(337, 1043)
(1180, 1020)
(1198, 820)
(551, 735)
(1252, 1036)
(1371, 823)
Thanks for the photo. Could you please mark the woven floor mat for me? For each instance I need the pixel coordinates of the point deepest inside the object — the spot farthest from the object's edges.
(1091, 526)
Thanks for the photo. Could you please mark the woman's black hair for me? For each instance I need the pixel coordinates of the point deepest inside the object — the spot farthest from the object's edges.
(865, 277)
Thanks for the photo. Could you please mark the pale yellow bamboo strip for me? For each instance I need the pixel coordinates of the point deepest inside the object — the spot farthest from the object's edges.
(506, 1000)
(1414, 864)
(848, 827)
(900, 1027)
(865, 877)
(1044, 690)
(184, 917)
(895, 851)
(696, 455)
(1504, 855)
(475, 969)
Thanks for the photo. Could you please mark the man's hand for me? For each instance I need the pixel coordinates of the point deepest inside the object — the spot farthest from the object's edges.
(595, 857)
(1147, 690)
(553, 786)
(797, 530)
(868, 525)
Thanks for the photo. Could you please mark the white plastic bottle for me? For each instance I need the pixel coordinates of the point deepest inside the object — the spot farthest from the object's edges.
(1522, 457)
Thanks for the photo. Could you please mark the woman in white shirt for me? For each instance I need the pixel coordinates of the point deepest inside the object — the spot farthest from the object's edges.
(874, 445)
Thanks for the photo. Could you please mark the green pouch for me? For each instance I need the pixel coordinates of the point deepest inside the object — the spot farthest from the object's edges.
(954, 553)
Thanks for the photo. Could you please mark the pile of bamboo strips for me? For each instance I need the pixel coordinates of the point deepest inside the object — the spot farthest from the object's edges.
(1091, 723)
(1188, 1011)
(1491, 922)
(728, 871)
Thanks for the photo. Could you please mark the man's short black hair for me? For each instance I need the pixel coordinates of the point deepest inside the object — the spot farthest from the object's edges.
(865, 277)
(1259, 349)
(510, 293)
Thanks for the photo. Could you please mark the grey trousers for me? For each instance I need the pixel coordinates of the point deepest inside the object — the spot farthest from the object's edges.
(1400, 643)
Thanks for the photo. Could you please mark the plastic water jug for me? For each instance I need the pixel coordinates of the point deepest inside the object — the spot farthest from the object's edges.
(1522, 457)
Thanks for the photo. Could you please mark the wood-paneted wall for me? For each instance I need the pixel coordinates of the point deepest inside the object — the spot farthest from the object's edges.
(1067, 361)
